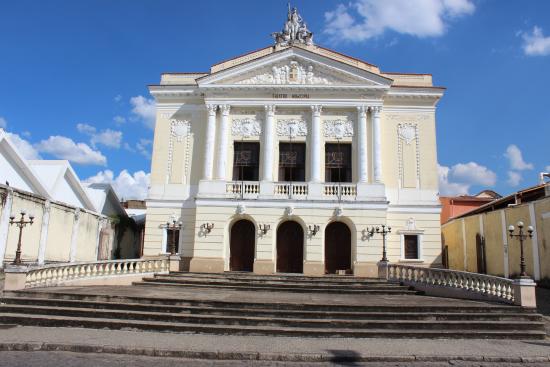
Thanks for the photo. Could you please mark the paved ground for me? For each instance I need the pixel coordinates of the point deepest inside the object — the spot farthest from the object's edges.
(56, 359)
(254, 347)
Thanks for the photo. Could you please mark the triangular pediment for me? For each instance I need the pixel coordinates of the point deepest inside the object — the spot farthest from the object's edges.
(295, 67)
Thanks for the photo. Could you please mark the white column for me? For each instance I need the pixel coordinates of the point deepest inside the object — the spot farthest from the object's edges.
(74, 236)
(209, 142)
(44, 232)
(5, 224)
(267, 149)
(362, 150)
(222, 146)
(375, 111)
(315, 142)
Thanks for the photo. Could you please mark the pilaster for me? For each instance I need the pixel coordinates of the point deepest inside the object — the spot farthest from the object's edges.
(209, 142)
(74, 236)
(362, 151)
(44, 232)
(5, 223)
(377, 134)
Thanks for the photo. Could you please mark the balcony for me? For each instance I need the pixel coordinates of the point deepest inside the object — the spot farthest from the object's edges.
(251, 190)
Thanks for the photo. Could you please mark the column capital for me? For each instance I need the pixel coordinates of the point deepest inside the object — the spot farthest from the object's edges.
(376, 109)
(362, 110)
(316, 109)
(211, 108)
(270, 109)
(224, 109)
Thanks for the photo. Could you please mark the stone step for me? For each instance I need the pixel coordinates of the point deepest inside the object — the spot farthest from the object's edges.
(270, 321)
(271, 304)
(274, 288)
(117, 324)
(277, 282)
(333, 279)
(485, 315)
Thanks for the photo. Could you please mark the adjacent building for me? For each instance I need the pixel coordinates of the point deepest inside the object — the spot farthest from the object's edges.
(452, 206)
(72, 221)
(478, 241)
(279, 160)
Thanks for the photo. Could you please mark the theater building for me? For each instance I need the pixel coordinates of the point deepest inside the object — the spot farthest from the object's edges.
(279, 160)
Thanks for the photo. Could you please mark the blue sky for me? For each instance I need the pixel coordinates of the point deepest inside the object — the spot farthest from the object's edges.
(73, 74)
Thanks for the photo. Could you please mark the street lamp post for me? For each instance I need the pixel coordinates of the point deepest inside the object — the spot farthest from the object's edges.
(21, 223)
(522, 237)
(173, 227)
(384, 232)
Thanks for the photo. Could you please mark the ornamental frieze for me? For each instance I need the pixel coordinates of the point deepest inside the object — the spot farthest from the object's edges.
(338, 128)
(292, 73)
(291, 127)
(246, 127)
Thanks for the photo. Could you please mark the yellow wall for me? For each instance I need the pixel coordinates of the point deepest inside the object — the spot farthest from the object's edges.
(497, 240)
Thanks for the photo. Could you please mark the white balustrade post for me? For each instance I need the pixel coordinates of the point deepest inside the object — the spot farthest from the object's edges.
(315, 149)
(5, 224)
(222, 146)
(44, 232)
(268, 149)
(209, 142)
(362, 150)
(377, 134)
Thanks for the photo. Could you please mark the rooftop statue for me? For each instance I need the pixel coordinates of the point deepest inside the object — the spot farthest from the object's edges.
(294, 31)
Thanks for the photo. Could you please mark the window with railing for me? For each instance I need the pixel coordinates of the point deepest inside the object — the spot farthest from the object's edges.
(246, 160)
(292, 162)
(338, 162)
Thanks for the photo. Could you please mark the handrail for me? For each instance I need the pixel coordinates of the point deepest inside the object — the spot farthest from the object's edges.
(471, 285)
(57, 274)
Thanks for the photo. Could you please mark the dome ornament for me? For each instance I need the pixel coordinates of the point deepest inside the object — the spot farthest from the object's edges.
(294, 31)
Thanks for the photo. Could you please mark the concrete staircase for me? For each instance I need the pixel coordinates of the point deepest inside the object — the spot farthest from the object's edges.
(244, 304)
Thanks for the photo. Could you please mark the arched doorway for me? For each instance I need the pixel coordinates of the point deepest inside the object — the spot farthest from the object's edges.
(290, 248)
(337, 247)
(241, 246)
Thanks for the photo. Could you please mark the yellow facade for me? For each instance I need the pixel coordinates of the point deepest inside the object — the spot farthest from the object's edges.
(502, 253)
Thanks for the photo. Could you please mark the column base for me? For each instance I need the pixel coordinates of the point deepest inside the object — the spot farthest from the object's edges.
(15, 277)
(206, 265)
(263, 267)
(211, 189)
(366, 269)
(383, 270)
(524, 292)
(314, 268)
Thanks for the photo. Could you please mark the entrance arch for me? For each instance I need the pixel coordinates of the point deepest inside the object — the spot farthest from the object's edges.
(337, 247)
(290, 248)
(241, 246)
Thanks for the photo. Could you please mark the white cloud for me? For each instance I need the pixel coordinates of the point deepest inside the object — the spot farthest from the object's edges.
(514, 178)
(65, 148)
(447, 188)
(109, 138)
(515, 158)
(458, 179)
(473, 173)
(119, 120)
(126, 185)
(117, 98)
(547, 168)
(535, 44)
(142, 147)
(3, 123)
(144, 109)
(23, 146)
(364, 19)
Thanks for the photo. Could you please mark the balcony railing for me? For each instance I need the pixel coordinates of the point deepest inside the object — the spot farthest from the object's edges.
(243, 189)
(340, 191)
(291, 190)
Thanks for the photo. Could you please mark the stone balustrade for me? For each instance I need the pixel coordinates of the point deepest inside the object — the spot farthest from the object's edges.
(461, 284)
(342, 191)
(83, 273)
(244, 189)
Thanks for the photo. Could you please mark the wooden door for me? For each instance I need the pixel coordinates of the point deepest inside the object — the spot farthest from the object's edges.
(337, 247)
(290, 248)
(241, 247)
